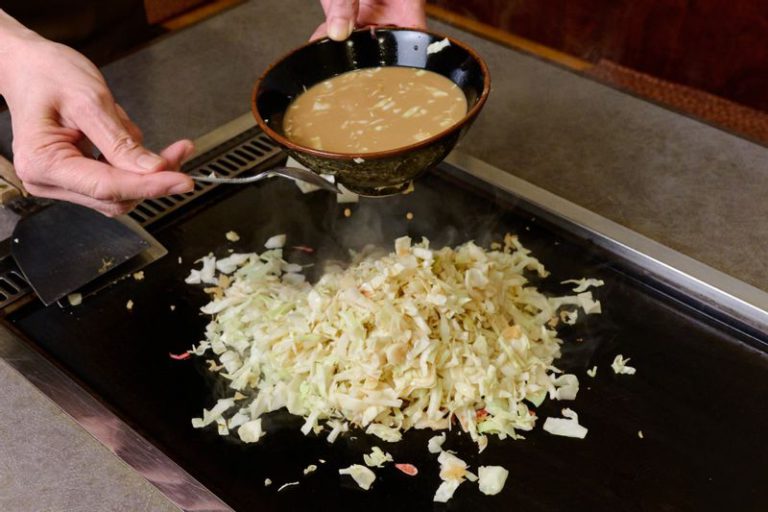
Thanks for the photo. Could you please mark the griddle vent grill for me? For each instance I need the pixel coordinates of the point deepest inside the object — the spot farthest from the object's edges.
(242, 154)
(13, 286)
(238, 155)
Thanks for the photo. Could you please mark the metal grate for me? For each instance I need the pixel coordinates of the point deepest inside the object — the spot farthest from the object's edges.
(238, 155)
(13, 286)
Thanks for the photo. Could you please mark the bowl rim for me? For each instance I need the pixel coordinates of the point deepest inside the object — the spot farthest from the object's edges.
(333, 155)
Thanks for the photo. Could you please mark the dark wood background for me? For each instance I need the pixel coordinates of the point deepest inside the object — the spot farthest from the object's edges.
(718, 46)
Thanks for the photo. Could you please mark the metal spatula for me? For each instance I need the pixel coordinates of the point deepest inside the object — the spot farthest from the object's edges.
(292, 173)
(64, 247)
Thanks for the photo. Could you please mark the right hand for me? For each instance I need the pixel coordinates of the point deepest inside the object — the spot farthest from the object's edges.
(60, 105)
(342, 16)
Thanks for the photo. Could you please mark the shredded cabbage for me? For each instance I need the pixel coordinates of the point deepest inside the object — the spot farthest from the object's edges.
(453, 471)
(568, 426)
(418, 338)
(438, 46)
(376, 458)
(435, 444)
(207, 274)
(619, 366)
(584, 284)
(491, 479)
(275, 242)
(363, 476)
(286, 485)
(250, 432)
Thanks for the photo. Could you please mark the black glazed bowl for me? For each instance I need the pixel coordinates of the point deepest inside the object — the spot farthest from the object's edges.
(385, 172)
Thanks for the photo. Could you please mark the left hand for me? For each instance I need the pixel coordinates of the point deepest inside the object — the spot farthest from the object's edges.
(342, 16)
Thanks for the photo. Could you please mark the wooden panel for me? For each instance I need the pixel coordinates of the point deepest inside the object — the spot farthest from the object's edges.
(719, 46)
(161, 10)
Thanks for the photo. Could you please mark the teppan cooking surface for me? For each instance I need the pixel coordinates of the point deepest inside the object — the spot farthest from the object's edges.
(698, 396)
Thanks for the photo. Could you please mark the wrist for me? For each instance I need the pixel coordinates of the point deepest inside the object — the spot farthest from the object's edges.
(13, 37)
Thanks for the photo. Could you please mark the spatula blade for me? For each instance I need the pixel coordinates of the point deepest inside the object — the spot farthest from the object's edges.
(66, 246)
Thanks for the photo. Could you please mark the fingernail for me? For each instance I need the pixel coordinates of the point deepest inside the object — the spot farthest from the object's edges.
(182, 188)
(148, 161)
(339, 29)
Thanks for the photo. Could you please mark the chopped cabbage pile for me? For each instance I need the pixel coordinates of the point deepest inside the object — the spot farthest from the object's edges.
(416, 338)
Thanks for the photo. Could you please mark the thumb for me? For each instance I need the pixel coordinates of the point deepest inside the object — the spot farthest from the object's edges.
(105, 128)
(340, 17)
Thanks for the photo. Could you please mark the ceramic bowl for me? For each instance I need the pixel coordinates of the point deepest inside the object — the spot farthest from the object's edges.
(385, 172)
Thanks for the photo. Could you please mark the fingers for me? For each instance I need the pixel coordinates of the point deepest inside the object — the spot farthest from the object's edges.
(129, 125)
(320, 32)
(177, 153)
(413, 13)
(117, 137)
(109, 190)
(103, 182)
(108, 208)
(340, 17)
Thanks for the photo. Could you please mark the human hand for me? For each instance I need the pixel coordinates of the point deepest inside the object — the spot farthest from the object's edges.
(60, 105)
(342, 16)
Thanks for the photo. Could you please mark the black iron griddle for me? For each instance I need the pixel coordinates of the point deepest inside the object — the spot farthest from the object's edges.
(698, 397)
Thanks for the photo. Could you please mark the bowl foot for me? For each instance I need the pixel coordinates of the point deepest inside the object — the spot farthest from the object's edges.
(378, 191)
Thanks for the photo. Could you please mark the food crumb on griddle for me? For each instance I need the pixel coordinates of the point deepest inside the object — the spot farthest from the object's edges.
(362, 476)
(408, 469)
(139, 276)
(289, 484)
(491, 479)
(129, 305)
(347, 212)
(173, 307)
(75, 299)
(620, 366)
(567, 426)
(267, 482)
(592, 371)
(409, 215)
(232, 236)
(640, 434)
(276, 241)
(310, 469)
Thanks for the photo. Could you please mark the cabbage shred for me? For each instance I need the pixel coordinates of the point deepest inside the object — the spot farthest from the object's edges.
(417, 338)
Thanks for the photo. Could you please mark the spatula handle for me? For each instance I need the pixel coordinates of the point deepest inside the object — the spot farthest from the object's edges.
(10, 184)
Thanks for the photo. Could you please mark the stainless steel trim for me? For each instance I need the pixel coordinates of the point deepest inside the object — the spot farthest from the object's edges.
(174, 482)
(223, 133)
(726, 294)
